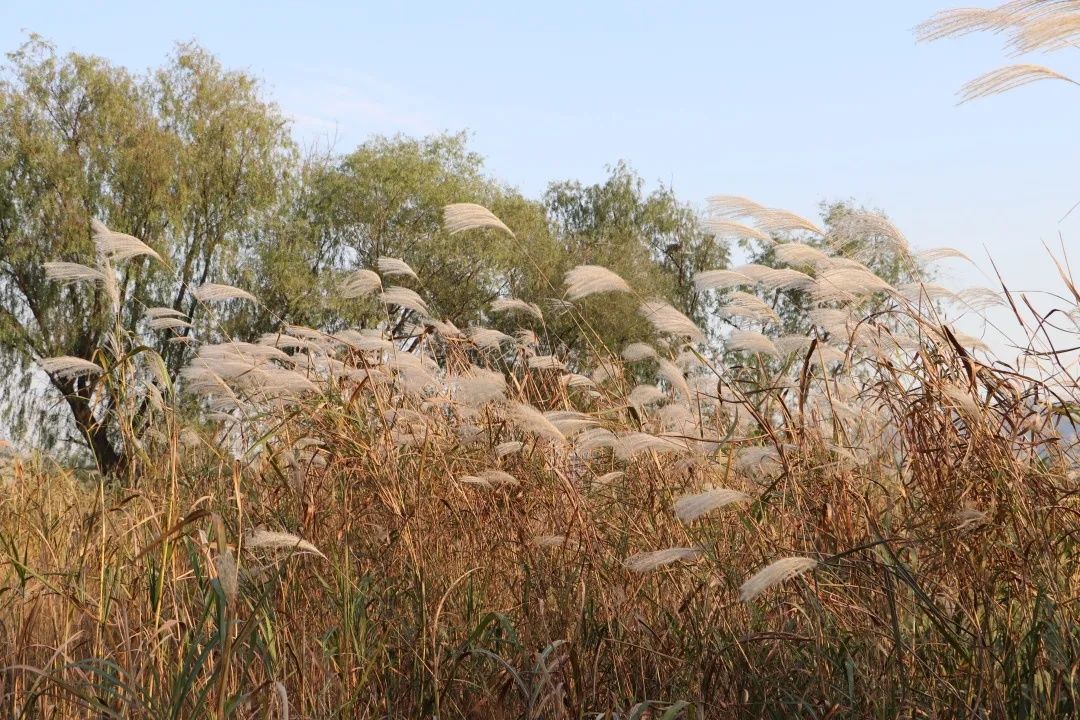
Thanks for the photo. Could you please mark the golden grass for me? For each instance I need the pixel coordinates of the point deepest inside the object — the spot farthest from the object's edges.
(366, 526)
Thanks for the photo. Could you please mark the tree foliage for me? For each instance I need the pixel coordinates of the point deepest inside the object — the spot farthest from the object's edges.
(385, 199)
(193, 159)
(652, 240)
(190, 159)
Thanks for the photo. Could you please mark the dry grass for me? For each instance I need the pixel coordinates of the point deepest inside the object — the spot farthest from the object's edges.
(1031, 26)
(467, 529)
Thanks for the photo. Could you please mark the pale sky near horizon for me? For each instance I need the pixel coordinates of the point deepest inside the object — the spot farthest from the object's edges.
(790, 103)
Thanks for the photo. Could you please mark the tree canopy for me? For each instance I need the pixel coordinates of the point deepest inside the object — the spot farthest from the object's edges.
(190, 158)
(652, 240)
(196, 161)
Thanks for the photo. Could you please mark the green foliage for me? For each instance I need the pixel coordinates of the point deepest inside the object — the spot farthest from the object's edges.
(191, 159)
(385, 199)
(196, 162)
(650, 239)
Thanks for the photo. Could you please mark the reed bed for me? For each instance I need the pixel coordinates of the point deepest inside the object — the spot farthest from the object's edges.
(871, 518)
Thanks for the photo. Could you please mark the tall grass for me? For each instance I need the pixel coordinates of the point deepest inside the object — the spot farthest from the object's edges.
(869, 520)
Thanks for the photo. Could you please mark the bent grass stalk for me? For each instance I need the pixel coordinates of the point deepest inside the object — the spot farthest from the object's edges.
(369, 581)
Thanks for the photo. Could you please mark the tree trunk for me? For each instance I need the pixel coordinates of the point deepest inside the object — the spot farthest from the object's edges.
(96, 434)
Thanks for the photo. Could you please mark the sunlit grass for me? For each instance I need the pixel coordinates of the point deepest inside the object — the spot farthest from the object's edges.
(867, 521)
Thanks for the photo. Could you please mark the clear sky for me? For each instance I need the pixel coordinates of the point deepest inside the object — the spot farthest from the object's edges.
(790, 103)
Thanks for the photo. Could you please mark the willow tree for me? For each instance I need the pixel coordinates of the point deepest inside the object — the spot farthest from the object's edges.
(189, 158)
(651, 239)
(385, 199)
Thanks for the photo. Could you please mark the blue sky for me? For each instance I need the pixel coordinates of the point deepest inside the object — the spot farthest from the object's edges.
(790, 103)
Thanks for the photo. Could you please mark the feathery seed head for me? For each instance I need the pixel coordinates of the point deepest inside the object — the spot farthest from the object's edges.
(635, 352)
(667, 320)
(690, 507)
(216, 292)
(404, 298)
(480, 386)
(66, 366)
(168, 323)
(533, 421)
(585, 280)
(796, 253)
(631, 444)
(516, 305)
(647, 561)
(720, 280)
(750, 341)
(69, 272)
(160, 312)
(394, 267)
(279, 541)
(361, 283)
(774, 574)
(118, 246)
(750, 307)
(487, 338)
(731, 230)
(459, 217)
(545, 362)
(489, 478)
(643, 395)
(508, 448)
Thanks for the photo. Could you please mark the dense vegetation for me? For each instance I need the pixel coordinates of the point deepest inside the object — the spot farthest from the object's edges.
(193, 160)
(373, 435)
